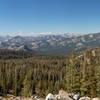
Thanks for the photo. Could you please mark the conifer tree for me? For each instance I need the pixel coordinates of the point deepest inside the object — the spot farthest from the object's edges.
(27, 89)
(38, 88)
(85, 90)
(88, 80)
(92, 77)
(73, 75)
(98, 80)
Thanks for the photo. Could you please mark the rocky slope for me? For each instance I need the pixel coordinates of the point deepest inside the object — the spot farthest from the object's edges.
(62, 95)
(59, 44)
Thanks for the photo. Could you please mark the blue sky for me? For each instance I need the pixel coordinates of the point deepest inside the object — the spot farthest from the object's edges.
(77, 16)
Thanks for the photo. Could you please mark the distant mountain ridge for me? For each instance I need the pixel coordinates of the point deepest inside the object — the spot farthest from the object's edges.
(58, 44)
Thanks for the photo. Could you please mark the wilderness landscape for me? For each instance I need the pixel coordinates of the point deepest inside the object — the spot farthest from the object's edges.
(52, 44)
(26, 72)
(49, 49)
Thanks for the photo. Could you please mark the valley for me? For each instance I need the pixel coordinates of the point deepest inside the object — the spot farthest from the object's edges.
(52, 44)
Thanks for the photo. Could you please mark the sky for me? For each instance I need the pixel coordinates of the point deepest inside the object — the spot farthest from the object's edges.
(27, 16)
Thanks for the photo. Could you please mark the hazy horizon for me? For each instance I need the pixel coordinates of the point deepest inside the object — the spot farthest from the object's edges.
(60, 16)
(42, 33)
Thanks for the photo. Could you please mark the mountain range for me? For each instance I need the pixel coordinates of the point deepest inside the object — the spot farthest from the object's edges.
(54, 44)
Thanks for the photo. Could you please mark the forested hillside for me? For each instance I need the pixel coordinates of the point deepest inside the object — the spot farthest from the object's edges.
(12, 54)
(42, 75)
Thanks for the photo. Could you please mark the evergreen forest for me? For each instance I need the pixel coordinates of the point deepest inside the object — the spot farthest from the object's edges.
(27, 76)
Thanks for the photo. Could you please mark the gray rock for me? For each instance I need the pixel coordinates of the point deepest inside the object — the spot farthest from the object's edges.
(76, 97)
(95, 98)
(84, 98)
(50, 97)
(63, 95)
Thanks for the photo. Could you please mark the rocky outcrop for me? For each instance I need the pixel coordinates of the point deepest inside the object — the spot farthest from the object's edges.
(76, 97)
(63, 95)
(95, 98)
(84, 98)
(50, 97)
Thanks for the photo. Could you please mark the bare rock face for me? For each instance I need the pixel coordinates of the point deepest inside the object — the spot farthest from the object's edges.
(84, 98)
(50, 97)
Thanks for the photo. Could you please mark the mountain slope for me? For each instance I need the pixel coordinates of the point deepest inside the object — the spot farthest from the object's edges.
(61, 44)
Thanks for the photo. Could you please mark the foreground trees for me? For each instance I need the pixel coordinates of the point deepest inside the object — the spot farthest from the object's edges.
(83, 75)
(26, 77)
(73, 75)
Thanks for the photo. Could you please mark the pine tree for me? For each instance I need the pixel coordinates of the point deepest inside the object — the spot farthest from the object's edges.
(92, 77)
(76, 83)
(98, 80)
(73, 75)
(88, 80)
(38, 88)
(69, 76)
(84, 78)
(56, 87)
(27, 89)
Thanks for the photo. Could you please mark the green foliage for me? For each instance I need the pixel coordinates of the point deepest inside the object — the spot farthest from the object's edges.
(27, 89)
(73, 75)
(83, 75)
(31, 76)
(48, 74)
